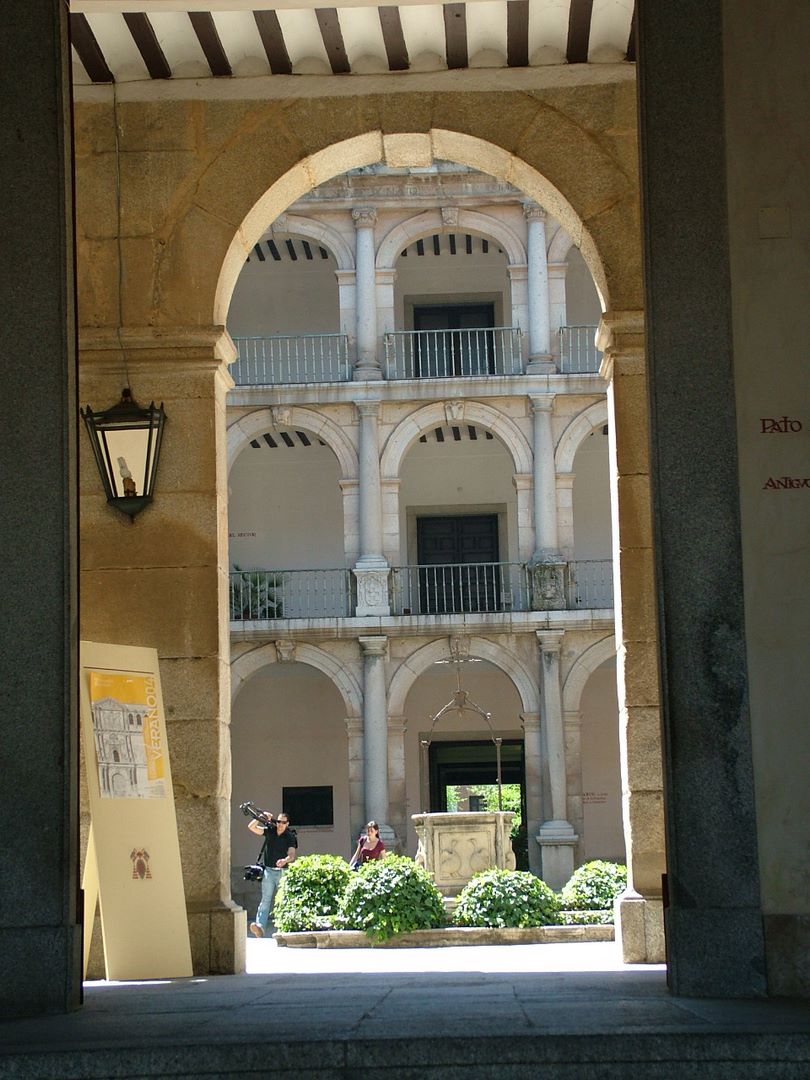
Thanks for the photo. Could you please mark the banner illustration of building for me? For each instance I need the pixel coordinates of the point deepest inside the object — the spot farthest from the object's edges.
(127, 736)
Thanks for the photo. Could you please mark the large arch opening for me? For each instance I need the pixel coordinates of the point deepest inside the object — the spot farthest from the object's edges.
(581, 281)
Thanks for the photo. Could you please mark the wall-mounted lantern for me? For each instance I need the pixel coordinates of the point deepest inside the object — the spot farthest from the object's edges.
(126, 445)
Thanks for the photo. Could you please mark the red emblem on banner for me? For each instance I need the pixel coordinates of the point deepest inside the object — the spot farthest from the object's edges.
(140, 863)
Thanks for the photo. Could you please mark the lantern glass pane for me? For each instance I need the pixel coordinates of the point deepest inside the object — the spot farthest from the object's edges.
(125, 451)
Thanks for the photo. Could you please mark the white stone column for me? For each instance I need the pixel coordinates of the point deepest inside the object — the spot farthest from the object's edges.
(556, 837)
(372, 569)
(368, 362)
(533, 763)
(375, 733)
(548, 566)
(356, 754)
(539, 314)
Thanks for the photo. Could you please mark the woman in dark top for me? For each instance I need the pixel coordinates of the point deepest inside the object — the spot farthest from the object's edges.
(369, 846)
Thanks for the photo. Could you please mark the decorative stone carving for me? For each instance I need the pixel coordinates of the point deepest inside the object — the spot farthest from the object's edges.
(285, 651)
(454, 411)
(372, 592)
(547, 585)
(456, 847)
(459, 647)
(282, 415)
(364, 217)
(533, 212)
(450, 216)
(281, 224)
(372, 589)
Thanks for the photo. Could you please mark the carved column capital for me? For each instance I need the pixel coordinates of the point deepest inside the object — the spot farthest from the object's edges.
(367, 408)
(550, 641)
(541, 403)
(533, 212)
(374, 646)
(364, 217)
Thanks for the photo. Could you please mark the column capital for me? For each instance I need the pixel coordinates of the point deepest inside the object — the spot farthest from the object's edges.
(522, 481)
(368, 408)
(550, 641)
(533, 212)
(541, 403)
(374, 646)
(364, 217)
(397, 725)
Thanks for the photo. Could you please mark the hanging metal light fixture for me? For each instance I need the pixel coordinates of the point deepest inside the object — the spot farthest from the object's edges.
(462, 702)
(126, 445)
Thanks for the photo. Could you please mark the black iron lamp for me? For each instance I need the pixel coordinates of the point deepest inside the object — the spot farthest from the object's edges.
(126, 444)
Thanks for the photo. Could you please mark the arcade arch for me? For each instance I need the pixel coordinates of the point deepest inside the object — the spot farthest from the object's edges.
(467, 221)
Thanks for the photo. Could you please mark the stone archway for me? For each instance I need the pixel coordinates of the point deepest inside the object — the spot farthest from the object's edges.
(578, 429)
(256, 423)
(435, 414)
(248, 663)
(431, 221)
(258, 158)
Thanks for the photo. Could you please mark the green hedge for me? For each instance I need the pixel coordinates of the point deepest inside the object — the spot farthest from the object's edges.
(310, 892)
(391, 896)
(506, 898)
(594, 886)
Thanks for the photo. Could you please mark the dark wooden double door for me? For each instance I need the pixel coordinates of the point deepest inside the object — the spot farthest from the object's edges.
(458, 563)
(460, 343)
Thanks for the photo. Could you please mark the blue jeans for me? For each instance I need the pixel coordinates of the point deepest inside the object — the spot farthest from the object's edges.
(270, 882)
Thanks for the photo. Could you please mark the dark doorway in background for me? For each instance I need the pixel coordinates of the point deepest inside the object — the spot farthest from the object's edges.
(458, 559)
(457, 341)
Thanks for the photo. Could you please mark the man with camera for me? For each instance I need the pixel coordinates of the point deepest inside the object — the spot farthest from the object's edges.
(280, 844)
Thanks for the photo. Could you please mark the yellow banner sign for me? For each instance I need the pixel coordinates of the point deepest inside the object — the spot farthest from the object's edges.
(127, 735)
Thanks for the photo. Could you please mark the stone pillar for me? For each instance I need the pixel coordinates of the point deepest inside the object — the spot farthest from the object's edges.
(524, 489)
(518, 288)
(386, 315)
(371, 571)
(356, 752)
(397, 794)
(347, 309)
(163, 582)
(533, 763)
(714, 916)
(556, 837)
(547, 565)
(539, 316)
(557, 306)
(572, 725)
(350, 492)
(368, 362)
(40, 937)
(375, 734)
(640, 915)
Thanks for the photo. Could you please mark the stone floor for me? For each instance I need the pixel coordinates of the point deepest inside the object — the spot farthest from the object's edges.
(499, 1012)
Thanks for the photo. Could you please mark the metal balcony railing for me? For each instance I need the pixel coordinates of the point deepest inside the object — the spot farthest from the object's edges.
(282, 358)
(290, 594)
(590, 584)
(447, 354)
(578, 352)
(457, 588)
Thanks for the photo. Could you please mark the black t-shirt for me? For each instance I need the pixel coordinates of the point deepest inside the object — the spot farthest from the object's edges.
(276, 846)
